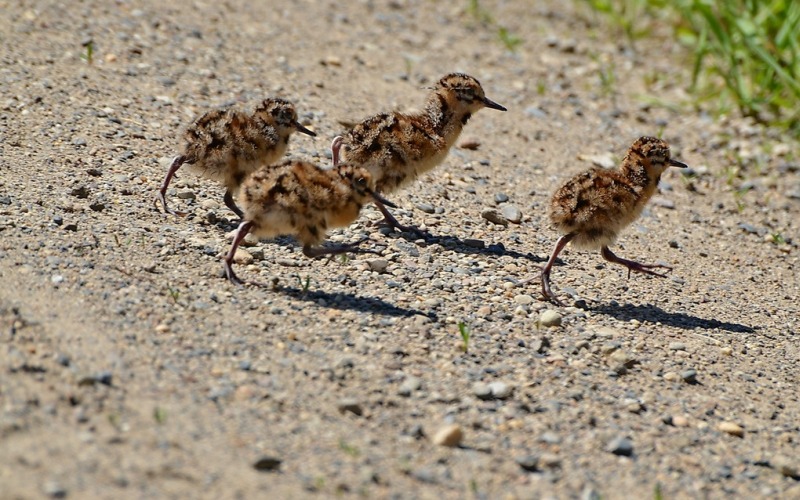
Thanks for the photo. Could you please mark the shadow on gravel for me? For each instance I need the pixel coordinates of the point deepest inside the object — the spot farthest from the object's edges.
(339, 300)
(679, 320)
(471, 247)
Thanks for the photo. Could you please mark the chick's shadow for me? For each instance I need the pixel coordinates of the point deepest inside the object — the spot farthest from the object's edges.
(348, 301)
(459, 245)
(654, 314)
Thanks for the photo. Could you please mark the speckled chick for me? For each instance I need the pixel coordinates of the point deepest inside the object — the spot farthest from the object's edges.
(298, 198)
(228, 144)
(591, 208)
(397, 147)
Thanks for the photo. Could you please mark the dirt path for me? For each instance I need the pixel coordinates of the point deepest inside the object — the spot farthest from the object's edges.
(131, 368)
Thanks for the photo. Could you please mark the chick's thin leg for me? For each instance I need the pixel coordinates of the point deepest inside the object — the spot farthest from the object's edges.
(162, 193)
(390, 221)
(228, 199)
(546, 291)
(244, 228)
(632, 265)
(335, 146)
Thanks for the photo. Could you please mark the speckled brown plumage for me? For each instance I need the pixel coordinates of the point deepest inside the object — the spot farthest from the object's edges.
(300, 199)
(228, 144)
(591, 208)
(399, 147)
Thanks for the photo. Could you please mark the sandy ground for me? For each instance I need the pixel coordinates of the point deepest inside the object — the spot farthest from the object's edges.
(130, 368)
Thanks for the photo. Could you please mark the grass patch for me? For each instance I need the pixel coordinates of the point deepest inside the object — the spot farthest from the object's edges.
(745, 53)
(483, 17)
(463, 329)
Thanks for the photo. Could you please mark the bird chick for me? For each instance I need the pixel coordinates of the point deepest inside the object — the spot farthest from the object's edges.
(300, 199)
(398, 147)
(228, 144)
(591, 208)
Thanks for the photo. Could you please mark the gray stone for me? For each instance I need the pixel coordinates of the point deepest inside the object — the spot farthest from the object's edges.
(529, 463)
(494, 216)
(350, 405)
(54, 489)
(482, 391)
(267, 463)
(426, 207)
(689, 376)
(549, 318)
(410, 385)
(378, 265)
(511, 213)
(500, 198)
(620, 446)
(501, 390)
(550, 438)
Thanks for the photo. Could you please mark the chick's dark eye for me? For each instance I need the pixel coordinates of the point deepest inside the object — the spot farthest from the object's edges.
(361, 181)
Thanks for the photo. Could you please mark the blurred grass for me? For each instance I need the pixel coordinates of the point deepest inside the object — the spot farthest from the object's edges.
(746, 53)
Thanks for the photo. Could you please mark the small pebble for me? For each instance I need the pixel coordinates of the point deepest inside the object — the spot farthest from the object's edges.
(350, 405)
(550, 318)
(785, 466)
(501, 390)
(185, 194)
(550, 460)
(471, 144)
(450, 435)
(267, 463)
(410, 385)
(500, 198)
(680, 421)
(54, 489)
(620, 446)
(550, 438)
(523, 299)
(378, 265)
(529, 463)
(482, 391)
(494, 216)
(677, 346)
(426, 207)
(732, 429)
(242, 256)
(689, 376)
(512, 213)
(671, 377)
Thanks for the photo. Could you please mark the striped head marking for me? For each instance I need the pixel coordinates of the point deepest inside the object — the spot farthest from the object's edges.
(282, 114)
(467, 90)
(656, 152)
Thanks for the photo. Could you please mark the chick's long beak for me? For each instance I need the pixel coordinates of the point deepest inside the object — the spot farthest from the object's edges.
(304, 130)
(381, 199)
(493, 105)
(676, 163)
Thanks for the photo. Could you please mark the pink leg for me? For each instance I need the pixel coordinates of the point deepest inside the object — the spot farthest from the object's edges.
(244, 228)
(228, 199)
(390, 220)
(546, 291)
(335, 146)
(162, 193)
(632, 265)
